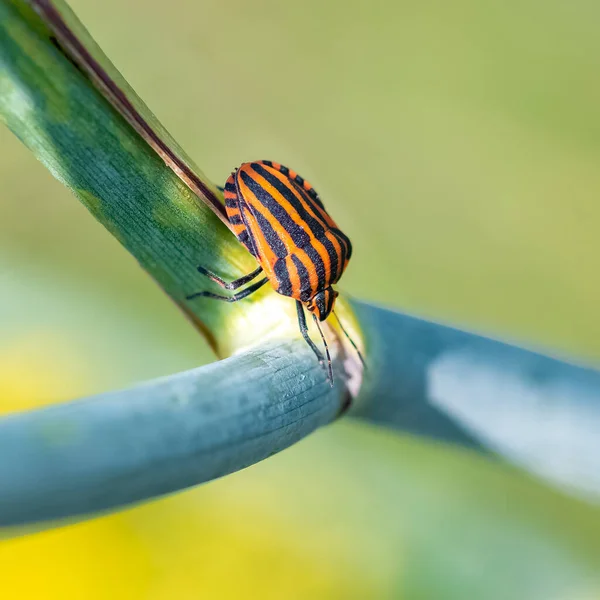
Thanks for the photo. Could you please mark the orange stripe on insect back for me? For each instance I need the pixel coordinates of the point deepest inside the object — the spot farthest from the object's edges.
(316, 211)
(237, 229)
(313, 209)
(326, 217)
(294, 215)
(322, 213)
(256, 206)
(289, 209)
(266, 257)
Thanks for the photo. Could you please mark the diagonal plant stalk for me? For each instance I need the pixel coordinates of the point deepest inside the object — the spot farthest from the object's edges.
(55, 109)
(423, 378)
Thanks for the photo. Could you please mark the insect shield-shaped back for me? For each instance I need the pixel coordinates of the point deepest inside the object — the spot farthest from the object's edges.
(279, 218)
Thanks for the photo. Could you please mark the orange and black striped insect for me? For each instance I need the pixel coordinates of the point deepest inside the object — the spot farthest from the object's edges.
(278, 216)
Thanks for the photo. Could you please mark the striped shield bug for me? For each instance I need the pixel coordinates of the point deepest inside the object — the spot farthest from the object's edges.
(279, 218)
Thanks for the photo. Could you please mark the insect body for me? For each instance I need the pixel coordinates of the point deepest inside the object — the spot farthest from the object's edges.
(280, 219)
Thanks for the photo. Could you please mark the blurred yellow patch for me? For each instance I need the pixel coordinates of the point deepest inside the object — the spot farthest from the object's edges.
(91, 561)
(31, 376)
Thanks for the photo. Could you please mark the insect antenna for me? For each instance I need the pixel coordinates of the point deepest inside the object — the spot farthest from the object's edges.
(329, 368)
(362, 360)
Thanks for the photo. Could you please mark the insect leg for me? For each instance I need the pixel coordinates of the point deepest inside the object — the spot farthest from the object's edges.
(304, 332)
(239, 296)
(230, 285)
(329, 369)
(362, 360)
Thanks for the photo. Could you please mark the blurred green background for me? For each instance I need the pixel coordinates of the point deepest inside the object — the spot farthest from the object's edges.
(457, 143)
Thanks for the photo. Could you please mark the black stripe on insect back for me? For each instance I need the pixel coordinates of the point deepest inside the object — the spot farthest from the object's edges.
(343, 247)
(315, 226)
(305, 292)
(333, 259)
(229, 186)
(298, 235)
(345, 243)
(270, 234)
(300, 181)
(244, 238)
(283, 277)
(319, 264)
(343, 236)
(313, 194)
